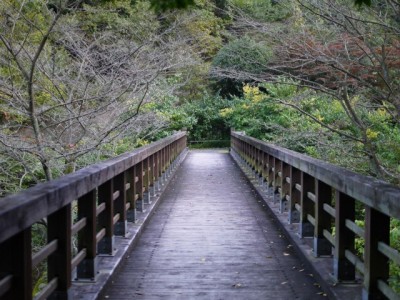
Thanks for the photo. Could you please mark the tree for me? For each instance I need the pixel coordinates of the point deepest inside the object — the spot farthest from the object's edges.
(74, 76)
(349, 54)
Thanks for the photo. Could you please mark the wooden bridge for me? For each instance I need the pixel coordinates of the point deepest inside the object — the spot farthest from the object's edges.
(164, 223)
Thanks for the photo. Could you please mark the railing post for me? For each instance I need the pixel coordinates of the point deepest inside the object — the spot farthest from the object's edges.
(271, 174)
(295, 195)
(153, 175)
(257, 164)
(139, 186)
(59, 262)
(377, 229)
(87, 269)
(285, 187)
(146, 181)
(323, 195)
(277, 175)
(307, 208)
(131, 195)
(121, 227)
(252, 158)
(16, 260)
(264, 172)
(106, 218)
(157, 172)
(162, 166)
(344, 237)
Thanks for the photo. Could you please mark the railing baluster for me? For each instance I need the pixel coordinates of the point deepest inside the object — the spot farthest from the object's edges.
(377, 229)
(344, 238)
(105, 219)
(323, 195)
(16, 260)
(59, 262)
(87, 269)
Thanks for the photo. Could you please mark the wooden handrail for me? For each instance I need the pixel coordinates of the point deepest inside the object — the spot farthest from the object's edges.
(368, 190)
(322, 197)
(43, 199)
(102, 193)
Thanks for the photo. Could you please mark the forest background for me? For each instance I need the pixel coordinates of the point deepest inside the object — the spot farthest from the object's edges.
(82, 81)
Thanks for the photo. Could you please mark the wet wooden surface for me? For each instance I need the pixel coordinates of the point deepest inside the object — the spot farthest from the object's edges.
(212, 238)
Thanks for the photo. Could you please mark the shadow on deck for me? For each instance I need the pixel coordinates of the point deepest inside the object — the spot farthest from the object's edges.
(212, 237)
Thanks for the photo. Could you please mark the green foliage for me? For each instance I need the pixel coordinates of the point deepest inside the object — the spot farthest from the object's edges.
(361, 2)
(206, 29)
(240, 55)
(121, 17)
(262, 10)
(276, 113)
(200, 117)
(39, 240)
(243, 54)
(394, 279)
(162, 5)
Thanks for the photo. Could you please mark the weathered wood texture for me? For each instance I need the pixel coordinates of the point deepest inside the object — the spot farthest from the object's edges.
(105, 195)
(322, 184)
(212, 238)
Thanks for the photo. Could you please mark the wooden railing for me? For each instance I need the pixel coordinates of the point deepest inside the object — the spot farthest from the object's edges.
(322, 198)
(106, 196)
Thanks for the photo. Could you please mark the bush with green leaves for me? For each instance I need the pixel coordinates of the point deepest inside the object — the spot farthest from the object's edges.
(200, 117)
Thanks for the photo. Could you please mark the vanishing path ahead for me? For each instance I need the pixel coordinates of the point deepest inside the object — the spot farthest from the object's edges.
(211, 238)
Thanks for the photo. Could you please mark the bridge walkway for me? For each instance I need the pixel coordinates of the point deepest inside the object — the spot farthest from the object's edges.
(212, 238)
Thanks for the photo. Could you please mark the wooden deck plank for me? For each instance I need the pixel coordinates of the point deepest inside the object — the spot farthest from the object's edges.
(211, 238)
